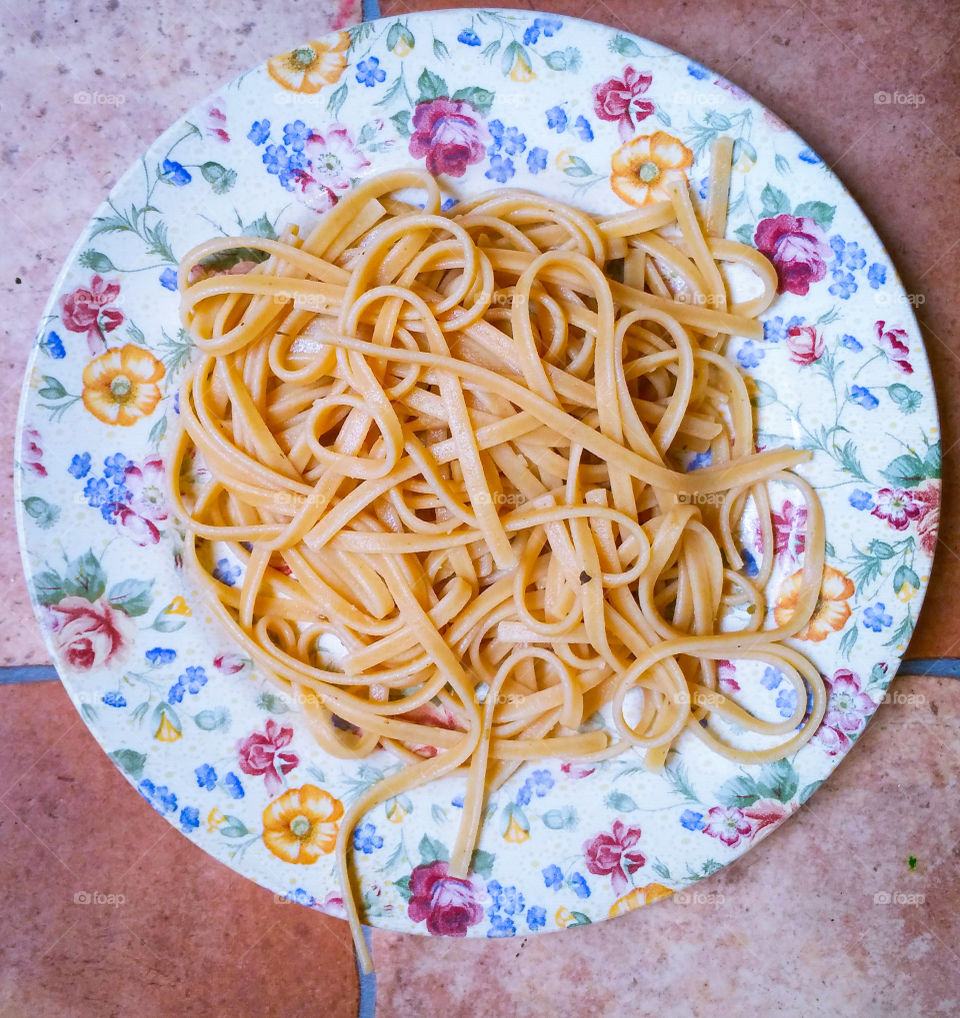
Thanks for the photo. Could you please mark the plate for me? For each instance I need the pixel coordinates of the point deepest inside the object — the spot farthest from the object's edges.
(488, 99)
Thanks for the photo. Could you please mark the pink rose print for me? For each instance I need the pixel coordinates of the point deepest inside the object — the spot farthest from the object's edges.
(618, 100)
(805, 345)
(449, 905)
(928, 499)
(264, 753)
(798, 249)
(91, 634)
(89, 310)
(448, 135)
(615, 854)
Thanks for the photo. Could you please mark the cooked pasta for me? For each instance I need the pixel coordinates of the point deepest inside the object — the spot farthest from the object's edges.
(449, 452)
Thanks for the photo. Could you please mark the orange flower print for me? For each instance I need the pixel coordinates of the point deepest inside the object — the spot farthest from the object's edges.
(642, 168)
(831, 612)
(301, 825)
(638, 897)
(311, 66)
(120, 386)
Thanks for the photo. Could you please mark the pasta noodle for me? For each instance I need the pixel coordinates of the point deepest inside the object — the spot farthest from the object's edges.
(453, 446)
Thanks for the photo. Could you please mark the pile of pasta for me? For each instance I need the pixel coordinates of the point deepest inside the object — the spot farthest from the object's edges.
(455, 445)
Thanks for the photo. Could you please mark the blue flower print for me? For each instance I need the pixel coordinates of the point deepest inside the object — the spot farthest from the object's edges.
(876, 618)
(501, 926)
(509, 139)
(175, 173)
(159, 796)
(114, 699)
(776, 330)
(537, 159)
(860, 499)
(232, 784)
(507, 899)
(843, 285)
(582, 129)
(161, 655)
(553, 877)
(854, 257)
(468, 37)
(771, 678)
(53, 344)
(206, 777)
(259, 131)
(189, 819)
(194, 678)
(115, 467)
(787, 702)
(369, 72)
(501, 169)
(750, 563)
(807, 155)
(750, 354)
(698, 72)
(286, 165)
(702, 459)
(851, 343)
(548, 25)
(96, 491)
(366, 839)
(295, 135)
(556, 119)
(536, 917)
(692, 821)
(226, 572)
(578, 885)
(862, 395)
(876, 275)
(168, 279)
(79, 465)
(300, 896)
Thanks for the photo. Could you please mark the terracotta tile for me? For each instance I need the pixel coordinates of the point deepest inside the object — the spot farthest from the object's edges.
(67, 155)
(188, 927)
(791, 929)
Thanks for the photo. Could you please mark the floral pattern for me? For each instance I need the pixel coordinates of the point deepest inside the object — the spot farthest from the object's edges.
(484, 99)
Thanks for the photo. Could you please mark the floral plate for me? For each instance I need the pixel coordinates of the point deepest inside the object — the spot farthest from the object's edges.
(482, 98)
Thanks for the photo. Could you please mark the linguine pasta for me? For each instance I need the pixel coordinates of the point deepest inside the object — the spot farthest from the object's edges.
(453, 445)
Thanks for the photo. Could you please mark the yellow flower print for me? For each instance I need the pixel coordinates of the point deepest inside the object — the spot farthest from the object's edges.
(167, 731)
(215, 820)
(638, 897)
(832, 610)
(642, 168)
(301, 825)
(311, 66)
(120, 386)
(515, 832)
(522, 71)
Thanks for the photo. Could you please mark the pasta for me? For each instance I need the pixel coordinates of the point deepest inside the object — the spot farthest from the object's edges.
(453, 447)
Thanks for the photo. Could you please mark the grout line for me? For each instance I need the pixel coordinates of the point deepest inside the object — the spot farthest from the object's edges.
(368, 983)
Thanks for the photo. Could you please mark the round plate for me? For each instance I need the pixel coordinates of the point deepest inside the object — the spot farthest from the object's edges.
(486, 98)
